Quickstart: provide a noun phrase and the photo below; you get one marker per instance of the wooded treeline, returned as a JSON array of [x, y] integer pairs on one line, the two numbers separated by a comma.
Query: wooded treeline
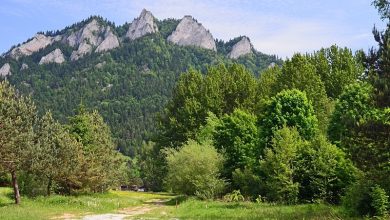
[[43, 156]]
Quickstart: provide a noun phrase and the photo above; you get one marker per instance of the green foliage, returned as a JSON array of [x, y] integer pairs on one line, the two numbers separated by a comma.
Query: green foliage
[[194, 170], [236, 136], [234, 196], [17, 116], [361, 129], [380, 200], [57, 156], [299, 73], [323, 171], [220, 91], [128, 85], [278, 166], [152, 165], [206, 132], [366, 198], [353, 108], [383, 7], [133, 171], [288, 108], [102, 164], [248, 183], [337, 68], [267, 84]]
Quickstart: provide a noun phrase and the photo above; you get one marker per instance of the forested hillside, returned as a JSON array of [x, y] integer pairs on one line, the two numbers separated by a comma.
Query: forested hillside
[[128, 84]]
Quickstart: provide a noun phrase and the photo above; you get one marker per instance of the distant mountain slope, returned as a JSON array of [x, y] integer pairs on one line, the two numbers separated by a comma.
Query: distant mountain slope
[[125, 72]]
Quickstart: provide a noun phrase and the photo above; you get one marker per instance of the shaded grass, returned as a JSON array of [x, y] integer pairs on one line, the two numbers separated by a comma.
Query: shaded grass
[[196, 209], [56, 205]]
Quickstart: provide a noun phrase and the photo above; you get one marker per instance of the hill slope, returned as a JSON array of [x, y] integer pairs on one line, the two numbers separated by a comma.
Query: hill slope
[[125, 72]]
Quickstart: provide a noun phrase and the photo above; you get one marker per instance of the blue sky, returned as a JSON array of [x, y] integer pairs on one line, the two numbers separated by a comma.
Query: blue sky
[[280, 27]]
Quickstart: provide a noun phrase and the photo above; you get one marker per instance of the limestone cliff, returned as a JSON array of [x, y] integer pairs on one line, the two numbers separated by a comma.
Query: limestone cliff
[[55, 56], [241, 48], [90, 36], [142, 26], [5, 70], [38, 42], [110, 41], [191, 33]]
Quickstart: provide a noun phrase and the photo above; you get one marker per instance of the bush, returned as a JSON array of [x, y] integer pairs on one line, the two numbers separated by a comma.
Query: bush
[[323, 171], [31, 185], [195, 170], [380, 200], [278, 166], [248, 183], [234, 196], [365, 198], [5, 179]]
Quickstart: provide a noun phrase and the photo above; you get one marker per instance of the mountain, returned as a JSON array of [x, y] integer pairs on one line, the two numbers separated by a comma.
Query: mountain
[[126, 72]]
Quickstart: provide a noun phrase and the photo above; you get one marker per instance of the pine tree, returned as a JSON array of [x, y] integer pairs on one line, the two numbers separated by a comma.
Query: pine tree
[[17, 116]]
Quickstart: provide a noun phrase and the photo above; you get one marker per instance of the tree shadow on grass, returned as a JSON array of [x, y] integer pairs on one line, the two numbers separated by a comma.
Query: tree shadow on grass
[[10, 196], [176, 201], [4, 204], [234, 205]]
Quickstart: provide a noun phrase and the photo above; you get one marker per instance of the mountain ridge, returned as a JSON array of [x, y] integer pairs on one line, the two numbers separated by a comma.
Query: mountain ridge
[[86, 36], [128, 84]]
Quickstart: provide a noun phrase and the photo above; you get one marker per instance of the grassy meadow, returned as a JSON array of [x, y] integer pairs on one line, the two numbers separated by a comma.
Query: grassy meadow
[[196, 209], [75, 207], [56, 206]]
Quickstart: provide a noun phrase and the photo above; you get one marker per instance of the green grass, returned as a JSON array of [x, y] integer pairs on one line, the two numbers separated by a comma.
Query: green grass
[[54, 206], [195, 209]]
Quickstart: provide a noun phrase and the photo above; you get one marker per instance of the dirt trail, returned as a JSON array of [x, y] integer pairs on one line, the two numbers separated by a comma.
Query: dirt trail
[[129, 212]]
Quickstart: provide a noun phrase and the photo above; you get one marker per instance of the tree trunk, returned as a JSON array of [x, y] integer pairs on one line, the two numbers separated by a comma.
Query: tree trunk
[[49, 187], [16, 187]]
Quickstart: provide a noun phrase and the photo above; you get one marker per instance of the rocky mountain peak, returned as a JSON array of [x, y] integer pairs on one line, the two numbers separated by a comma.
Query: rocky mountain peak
[[91, 35], [39, 41], [110, 41], [241, 48], [56, 56], [142, 25], [191, 33], [5, 70]]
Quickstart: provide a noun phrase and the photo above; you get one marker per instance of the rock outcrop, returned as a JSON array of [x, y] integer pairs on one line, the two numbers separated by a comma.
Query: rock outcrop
[[241, 48], [24, 66], [90, 36], [5, 70], [271, 65], [110, 41], [56, 56], [86, 38], [191, 33], [39, 41], [142, 26]]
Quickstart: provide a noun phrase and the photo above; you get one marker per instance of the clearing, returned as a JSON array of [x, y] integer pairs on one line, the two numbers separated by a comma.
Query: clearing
[[118, 205]]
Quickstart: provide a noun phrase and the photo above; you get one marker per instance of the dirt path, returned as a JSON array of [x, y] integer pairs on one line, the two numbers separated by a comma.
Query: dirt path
[[129, 212]]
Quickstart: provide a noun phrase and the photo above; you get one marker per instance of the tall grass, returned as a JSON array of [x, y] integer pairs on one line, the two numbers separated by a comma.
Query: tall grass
[[56, 205], [196, 209]]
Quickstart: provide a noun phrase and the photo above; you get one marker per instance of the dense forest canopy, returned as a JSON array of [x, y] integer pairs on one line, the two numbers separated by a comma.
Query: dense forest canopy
[[128, 85]]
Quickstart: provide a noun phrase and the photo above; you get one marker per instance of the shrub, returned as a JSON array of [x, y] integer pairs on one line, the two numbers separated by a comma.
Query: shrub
[[323, 171], [365, 198], [278, 166], [194, 170], [380, 200], [248, 183], [234, 196]]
